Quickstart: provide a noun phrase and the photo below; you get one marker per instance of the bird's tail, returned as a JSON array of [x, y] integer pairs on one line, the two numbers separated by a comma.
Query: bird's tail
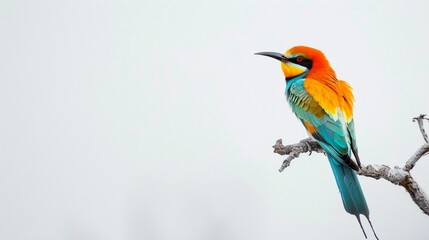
[[351, 193]]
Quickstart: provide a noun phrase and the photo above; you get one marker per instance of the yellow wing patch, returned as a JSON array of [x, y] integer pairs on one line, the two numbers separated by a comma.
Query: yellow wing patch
[[346, 100], [332, 96], [325, 93]]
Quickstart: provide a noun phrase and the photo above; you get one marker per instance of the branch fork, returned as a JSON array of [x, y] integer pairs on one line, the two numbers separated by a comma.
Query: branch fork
[[397, 175]]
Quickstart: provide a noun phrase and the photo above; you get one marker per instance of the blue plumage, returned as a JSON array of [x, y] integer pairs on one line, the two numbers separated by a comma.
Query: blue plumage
[[324, 105], [351, 193], [338, 141]]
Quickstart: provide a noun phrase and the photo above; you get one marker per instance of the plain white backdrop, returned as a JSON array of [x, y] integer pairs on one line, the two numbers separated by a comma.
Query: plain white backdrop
[[154, 120]]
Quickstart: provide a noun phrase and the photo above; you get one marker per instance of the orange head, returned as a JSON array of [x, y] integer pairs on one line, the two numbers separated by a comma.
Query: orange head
[[302, 61]]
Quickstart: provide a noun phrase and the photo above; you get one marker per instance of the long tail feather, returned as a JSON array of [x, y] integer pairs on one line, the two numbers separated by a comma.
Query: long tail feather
[[351, 192], [372, 229], [360, 223]]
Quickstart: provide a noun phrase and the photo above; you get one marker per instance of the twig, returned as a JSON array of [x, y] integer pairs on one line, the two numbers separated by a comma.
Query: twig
[[416, 156], [419, 120], [397, 175], [293, 150]]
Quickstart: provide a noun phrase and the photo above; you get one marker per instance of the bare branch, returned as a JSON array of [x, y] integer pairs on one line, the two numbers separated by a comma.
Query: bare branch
[[416, 156], [416, 193], [419, 120], [305, 145], [397, 175]]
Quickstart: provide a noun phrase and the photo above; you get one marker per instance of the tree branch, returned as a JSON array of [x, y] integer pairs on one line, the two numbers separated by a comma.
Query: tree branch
[[397, 175], [416, 156], [293, 150], [419, 120]]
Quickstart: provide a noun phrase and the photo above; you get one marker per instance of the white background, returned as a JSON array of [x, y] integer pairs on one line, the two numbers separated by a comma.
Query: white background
[[154, 120]]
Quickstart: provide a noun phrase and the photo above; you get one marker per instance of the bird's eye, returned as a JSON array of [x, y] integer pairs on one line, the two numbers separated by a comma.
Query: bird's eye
[[302, 61]]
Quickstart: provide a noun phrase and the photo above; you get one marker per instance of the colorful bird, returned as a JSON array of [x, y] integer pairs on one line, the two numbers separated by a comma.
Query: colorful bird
[[324, 104]]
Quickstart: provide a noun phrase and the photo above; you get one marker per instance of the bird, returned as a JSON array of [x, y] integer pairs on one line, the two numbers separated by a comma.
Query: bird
[[324, 105]]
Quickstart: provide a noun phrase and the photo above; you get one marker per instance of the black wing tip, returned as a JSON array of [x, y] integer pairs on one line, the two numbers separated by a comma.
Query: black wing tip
[[350, 163]]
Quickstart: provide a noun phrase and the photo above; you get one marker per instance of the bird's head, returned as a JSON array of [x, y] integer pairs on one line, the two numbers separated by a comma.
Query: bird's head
[[301, 61]]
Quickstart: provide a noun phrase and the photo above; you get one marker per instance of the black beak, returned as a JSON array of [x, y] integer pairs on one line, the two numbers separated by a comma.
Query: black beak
[[274, 55]]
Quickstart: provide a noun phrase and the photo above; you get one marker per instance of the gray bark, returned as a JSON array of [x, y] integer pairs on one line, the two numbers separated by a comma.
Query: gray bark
[[400, 176]]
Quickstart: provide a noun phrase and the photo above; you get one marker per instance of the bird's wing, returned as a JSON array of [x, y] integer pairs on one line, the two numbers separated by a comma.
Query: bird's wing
[[322, 120], [346, 105], [351, 131]]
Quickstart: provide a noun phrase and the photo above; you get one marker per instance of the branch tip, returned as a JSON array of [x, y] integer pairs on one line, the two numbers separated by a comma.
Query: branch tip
[[419, 120]]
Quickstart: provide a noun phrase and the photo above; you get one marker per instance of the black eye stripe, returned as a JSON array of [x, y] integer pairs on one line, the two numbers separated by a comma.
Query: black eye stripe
[[303, 61]]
